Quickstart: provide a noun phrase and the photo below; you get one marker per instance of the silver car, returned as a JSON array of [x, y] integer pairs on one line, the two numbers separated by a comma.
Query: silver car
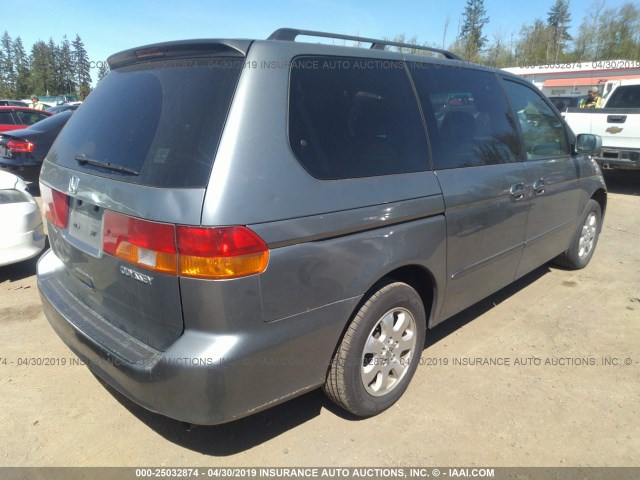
[[23, 234], [236, 222]]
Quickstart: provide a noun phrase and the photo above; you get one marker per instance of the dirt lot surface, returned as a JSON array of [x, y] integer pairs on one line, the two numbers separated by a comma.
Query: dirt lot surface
[[567, 391]]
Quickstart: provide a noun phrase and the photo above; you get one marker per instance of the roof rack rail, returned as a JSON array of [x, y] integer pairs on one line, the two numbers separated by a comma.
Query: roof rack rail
[[290, 34]]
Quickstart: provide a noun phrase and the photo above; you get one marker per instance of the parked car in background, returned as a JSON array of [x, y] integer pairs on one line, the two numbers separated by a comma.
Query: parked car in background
[[22, 228], [22, 151], [63, 108], [46, 101], [562, 102], [13, 118], [56, 100], [67, 98], [617, 123], [13, 103], [225, 238]]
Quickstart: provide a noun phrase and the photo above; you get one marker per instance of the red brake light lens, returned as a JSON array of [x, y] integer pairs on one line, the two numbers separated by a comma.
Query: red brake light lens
[[149, 53], [200, 252], [151, 235], [55, 205], [150, 245], [219, 242], [18, 146], [222, 252]]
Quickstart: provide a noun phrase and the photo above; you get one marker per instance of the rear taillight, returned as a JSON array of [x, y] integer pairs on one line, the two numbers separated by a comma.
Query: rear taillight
[[19, 146], [148, 244], [200, 252], [223, 252], [55, 205]]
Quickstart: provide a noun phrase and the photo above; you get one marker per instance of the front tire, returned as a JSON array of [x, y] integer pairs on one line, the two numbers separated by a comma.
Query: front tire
[[584, 240], [379, 352]]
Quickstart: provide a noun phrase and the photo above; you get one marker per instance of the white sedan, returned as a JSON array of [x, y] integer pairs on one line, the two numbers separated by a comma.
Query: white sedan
[[22, 229]]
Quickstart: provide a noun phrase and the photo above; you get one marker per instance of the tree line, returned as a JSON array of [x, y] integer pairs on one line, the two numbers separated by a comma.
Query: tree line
[[49, 69], [603, 34]]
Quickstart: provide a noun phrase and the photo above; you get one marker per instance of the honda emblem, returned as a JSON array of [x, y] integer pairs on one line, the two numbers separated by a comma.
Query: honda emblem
[[73, 184]]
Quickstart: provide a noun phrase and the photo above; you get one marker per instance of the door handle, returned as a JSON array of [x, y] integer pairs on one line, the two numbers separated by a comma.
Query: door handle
[[538, 186], [517, 192], [616, 118]]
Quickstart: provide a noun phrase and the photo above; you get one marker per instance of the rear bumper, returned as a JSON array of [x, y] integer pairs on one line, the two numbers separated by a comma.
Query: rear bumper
[[203, 377], [16, 163], [18, 246], [619, 158]]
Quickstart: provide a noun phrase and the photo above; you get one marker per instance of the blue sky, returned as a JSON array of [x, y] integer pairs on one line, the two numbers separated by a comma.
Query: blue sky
[[114, 25]]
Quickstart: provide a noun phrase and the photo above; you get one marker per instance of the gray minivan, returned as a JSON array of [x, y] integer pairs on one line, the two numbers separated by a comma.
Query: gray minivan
[[236, 222]]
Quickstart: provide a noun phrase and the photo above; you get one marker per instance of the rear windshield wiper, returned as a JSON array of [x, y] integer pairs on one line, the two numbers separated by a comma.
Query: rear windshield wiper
[[84, 160]]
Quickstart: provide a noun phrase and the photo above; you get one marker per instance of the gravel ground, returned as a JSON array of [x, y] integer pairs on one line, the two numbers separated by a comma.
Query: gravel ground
[[563, 390]]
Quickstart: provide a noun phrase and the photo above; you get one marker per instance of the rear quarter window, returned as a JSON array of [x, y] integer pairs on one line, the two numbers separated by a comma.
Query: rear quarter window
[[625, 97], [354, 117], [160, 119]]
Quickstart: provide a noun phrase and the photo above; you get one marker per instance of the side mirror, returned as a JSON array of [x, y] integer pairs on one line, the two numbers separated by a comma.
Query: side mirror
[[588, 144]]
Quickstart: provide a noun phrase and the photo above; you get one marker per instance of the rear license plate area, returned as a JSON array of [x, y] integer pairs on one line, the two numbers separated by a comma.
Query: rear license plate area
[[85, 225]]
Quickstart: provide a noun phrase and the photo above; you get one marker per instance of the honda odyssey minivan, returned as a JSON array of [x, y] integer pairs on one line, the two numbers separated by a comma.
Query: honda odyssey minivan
[[236, 222]]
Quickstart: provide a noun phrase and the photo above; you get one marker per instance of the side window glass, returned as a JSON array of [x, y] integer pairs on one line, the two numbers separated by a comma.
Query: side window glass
[[468, 118], [625, 97], [6, 119], [352, 117], [29, 118], [41, 116], [543, 132]]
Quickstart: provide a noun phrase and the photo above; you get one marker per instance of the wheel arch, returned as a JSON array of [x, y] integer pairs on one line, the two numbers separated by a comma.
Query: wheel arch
[[416, 276], [422, 281], [340, 377], [600, 196]]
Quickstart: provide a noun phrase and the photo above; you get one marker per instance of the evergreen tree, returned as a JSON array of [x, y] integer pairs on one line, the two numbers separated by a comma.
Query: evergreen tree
[[66, 80], [471, 34], [53, 66], [80, 60], [103, 69], [558, 22], [7, 66], [40, 80], [3, 87], [22, 69]]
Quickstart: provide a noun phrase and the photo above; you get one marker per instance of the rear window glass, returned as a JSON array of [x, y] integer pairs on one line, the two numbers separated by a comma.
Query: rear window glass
[[159, 122], [352, 117], [625, 97]]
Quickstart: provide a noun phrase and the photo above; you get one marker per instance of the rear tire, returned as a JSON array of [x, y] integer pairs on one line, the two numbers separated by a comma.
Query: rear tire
[[584, 240], [380, 351]]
